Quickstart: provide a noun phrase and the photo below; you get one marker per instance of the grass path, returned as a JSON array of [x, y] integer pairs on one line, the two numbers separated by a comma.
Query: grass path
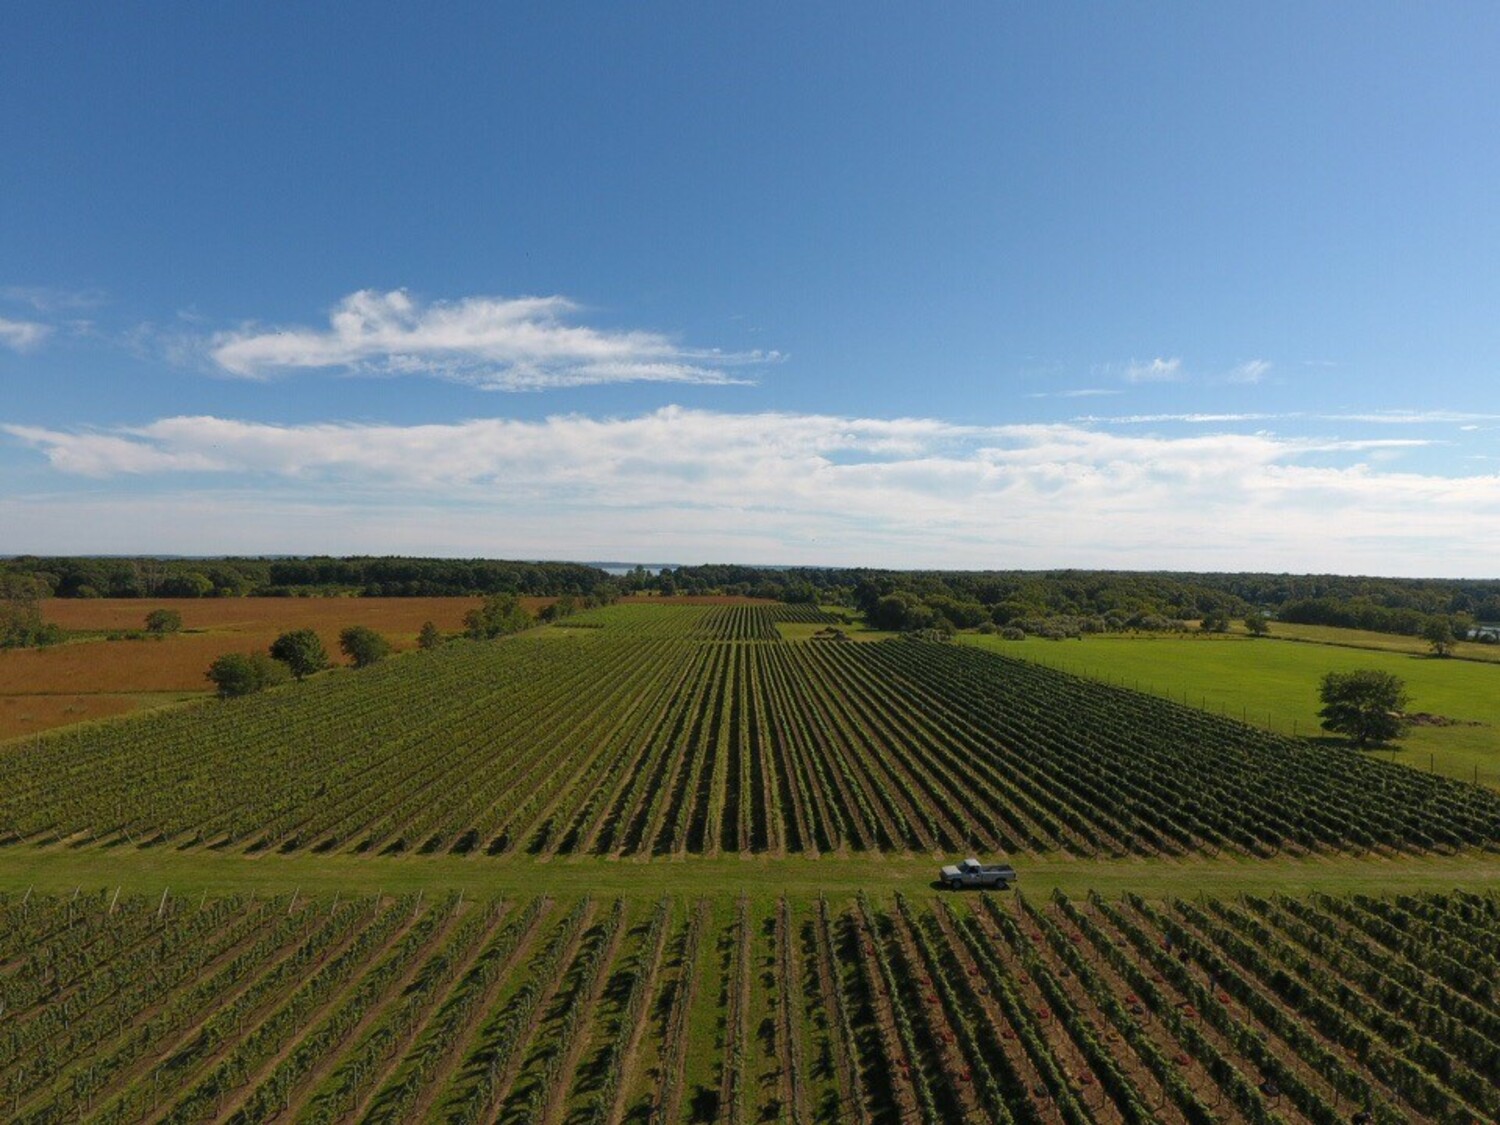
[[151, 871]]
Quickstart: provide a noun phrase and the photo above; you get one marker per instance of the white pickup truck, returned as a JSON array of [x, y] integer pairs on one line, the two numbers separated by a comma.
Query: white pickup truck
[[972, 873]]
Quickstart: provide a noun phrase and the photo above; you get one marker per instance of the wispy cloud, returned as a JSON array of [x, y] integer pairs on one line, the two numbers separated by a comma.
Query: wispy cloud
[[22, 335], [1204, 418], [1081, 392], [495, 343], [49, 299], [1414, 417], [1251, 371], [1157, 370], [1379, 417], [763, 487]]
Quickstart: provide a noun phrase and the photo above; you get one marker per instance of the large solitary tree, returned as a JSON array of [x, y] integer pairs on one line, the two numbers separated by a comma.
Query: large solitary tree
[[1367, 705], [1439, 635], [301, 651]]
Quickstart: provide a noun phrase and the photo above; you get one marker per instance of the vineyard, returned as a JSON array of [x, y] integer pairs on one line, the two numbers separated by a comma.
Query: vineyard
[[663, 731], [916, 1008]]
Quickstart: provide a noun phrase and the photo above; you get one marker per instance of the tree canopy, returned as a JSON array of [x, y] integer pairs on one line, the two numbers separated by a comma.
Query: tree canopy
[[363, 645], [1367, 705], [238, 673], [1439, 635], [500, 614], [163, 621], [301, 651], [21, 624]]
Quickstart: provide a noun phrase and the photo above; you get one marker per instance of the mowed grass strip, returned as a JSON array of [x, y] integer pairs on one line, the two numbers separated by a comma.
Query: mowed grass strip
[[1274, 684], [194, 872]]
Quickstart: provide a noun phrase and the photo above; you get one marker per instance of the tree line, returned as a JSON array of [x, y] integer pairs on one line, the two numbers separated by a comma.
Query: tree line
[[145, 577], [1065, 602], [1071, 602]]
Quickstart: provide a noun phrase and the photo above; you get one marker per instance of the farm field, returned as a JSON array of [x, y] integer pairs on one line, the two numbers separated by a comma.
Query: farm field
[[1274, 684], [736, 1008], [636, 731], [675, 863], [94, 678]]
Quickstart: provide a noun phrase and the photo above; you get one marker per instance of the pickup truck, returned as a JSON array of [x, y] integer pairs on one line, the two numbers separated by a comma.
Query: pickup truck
[[972, 873]]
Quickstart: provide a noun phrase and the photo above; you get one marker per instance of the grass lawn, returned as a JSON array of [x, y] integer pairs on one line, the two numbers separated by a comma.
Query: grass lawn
[[1274, 683], [150, 871]]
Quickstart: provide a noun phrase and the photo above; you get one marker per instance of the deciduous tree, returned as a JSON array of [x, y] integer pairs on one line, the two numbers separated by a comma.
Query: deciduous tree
[[21, 623], [301, 651], [1367, 705], [363, 645], [500, 614], [1438, 633], [163, 621], [238, 673]]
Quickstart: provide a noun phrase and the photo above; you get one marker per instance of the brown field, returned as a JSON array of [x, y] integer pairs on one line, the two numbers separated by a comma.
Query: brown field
[[393, 616], [26, 714], [91, 679]]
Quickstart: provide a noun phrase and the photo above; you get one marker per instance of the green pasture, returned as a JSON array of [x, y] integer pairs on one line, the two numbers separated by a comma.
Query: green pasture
[[154, 870], [1385, 642], [1274, 684]]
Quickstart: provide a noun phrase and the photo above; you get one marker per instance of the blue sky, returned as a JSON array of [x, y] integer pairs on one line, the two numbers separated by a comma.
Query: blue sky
[[1179, 286]]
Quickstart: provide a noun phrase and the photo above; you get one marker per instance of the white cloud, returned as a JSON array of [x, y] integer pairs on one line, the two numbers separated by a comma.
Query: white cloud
[[1081, 392], [1157, 370], [1382, 417], [701, 485], [495, 343], [1251, 371], [22, 335], [1207, 418], [1415, 417]]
